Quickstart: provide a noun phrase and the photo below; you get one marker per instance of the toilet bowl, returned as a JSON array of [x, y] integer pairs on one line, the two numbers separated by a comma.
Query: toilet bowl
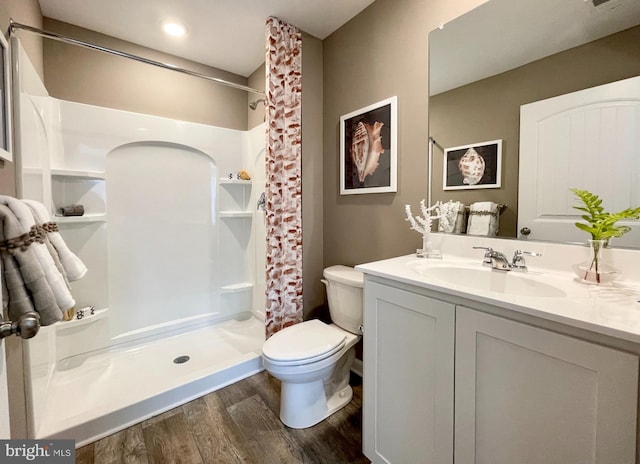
[[313, 359]]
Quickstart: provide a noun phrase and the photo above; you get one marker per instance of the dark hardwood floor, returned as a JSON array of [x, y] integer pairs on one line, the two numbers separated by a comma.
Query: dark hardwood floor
[[237, 424]]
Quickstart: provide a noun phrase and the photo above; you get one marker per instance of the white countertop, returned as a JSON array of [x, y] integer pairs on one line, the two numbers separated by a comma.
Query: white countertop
[[612, 309]]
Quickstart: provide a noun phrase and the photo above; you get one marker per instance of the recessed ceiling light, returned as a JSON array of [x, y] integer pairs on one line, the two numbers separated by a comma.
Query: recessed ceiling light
[[174, 29]]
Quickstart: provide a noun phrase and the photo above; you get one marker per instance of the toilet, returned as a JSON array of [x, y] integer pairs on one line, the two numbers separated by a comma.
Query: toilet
[[313, 359]]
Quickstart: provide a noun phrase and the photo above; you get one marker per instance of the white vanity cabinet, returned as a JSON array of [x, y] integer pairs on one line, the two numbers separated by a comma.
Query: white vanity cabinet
[[408, 377], [522, 394], [529, 395]]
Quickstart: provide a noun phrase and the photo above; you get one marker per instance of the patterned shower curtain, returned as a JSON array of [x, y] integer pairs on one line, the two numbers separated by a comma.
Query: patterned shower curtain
[[283, 189]]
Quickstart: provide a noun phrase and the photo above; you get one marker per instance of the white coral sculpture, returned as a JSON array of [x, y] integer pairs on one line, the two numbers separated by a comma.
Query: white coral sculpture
[[423, 223]]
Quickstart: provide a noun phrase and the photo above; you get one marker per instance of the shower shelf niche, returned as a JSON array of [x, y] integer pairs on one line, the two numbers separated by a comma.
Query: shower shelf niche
[[80, 219], [226, 180], [236, 214], [234, 198], [78, 186], [241, 287], [76, 173], [99, 314]]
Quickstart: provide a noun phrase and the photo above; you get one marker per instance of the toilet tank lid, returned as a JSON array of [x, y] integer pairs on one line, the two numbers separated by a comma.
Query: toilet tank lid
[[345, 275]]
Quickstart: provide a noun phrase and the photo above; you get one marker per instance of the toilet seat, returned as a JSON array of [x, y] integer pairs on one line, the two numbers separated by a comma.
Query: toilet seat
[[304, 343]]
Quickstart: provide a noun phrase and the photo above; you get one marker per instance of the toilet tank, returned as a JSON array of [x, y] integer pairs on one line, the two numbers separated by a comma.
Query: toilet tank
[[344, 292]]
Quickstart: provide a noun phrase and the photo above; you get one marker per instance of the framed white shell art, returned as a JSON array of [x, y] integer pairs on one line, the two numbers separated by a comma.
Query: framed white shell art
[[475, 166], [368, 149]]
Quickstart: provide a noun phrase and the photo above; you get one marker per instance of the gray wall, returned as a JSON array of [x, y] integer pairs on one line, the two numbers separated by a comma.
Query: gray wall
[[312, 174], [256, 81], [26, 12], [490, 109], [86, 76], [380, 53]]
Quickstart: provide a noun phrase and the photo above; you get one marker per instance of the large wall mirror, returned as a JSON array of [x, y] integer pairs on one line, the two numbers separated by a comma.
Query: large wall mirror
[[485, 65]]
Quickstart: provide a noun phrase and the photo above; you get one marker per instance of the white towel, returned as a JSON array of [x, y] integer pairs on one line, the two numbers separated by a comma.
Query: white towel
[[53, 276], [483, 218], [72, 265], [25, 287]]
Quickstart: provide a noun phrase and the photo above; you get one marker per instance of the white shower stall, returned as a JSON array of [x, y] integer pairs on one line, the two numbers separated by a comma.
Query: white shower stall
[[173, 301]]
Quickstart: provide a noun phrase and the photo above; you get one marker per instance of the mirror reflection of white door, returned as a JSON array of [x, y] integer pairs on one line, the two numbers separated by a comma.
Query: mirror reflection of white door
[[588, 139]]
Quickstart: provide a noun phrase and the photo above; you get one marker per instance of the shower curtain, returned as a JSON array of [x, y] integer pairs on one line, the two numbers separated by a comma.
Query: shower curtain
[[283, 164]]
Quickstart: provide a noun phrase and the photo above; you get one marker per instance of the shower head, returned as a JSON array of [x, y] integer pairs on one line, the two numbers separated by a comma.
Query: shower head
[[254, 104]]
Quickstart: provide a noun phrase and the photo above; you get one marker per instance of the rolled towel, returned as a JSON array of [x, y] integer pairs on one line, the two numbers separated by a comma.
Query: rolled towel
[[460, 226], [71, 210], [26, 287], [54, 278], [73, 266], [483, 218]]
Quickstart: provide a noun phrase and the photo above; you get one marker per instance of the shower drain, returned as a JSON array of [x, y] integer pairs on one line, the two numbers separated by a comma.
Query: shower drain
[[181, 359]]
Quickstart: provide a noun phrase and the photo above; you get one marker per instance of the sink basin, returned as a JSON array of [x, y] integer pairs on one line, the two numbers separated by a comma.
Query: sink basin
[[486, 279]]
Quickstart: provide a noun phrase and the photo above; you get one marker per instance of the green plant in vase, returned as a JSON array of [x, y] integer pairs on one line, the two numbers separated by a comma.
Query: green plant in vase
[[602, 227]]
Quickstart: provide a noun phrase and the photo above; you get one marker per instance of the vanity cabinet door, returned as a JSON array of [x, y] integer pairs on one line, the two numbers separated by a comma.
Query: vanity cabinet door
[[528, 395], [408, 377]]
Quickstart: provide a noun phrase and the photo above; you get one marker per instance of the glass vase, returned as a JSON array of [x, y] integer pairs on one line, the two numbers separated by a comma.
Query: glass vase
[[427, 250], [596, 270]]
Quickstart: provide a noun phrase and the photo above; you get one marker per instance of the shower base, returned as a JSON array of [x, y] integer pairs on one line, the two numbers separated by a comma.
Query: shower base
[[112, 390]]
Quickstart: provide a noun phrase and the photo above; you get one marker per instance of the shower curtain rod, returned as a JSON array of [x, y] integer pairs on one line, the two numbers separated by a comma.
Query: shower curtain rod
[[61, 38]]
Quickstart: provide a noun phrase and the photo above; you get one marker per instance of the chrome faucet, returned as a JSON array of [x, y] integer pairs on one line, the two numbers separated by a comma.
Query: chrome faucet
[[499, 261], [494, 259], [518, 263]]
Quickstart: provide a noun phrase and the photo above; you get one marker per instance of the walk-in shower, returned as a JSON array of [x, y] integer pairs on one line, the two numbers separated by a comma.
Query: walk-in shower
[[173, 300]]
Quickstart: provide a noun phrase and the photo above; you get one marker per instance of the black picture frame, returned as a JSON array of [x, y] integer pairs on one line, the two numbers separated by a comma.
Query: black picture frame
[[368, 149], [474, 166]]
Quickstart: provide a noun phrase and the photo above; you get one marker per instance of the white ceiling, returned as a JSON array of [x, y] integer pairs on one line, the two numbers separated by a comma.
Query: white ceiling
[[226, 34]]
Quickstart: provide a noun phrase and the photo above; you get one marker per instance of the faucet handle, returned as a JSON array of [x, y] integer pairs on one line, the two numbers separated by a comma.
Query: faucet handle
[[487, 254], [518, 262]]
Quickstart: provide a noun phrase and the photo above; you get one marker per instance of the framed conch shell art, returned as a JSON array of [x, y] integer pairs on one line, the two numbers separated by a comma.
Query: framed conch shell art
[[474, 166], [368, 156]]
